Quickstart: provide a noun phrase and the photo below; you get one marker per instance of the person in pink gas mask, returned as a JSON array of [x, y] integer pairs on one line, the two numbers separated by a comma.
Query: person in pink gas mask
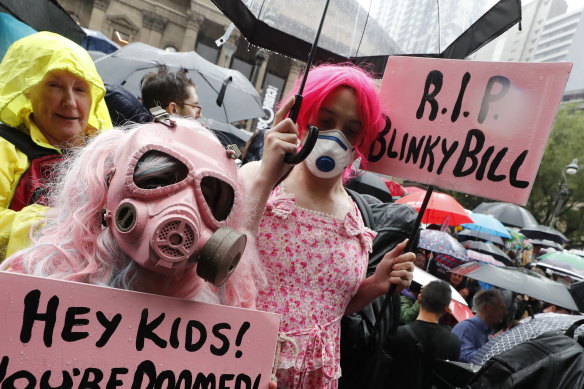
[[157, 208]]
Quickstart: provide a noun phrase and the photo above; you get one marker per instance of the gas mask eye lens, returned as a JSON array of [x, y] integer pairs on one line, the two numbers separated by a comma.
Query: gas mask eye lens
[[125, 217], [219, 196], [156, 169]]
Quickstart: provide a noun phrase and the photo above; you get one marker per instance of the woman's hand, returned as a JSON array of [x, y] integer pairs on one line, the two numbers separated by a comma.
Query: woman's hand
[[396, 268], [260, 177], [279, 140]]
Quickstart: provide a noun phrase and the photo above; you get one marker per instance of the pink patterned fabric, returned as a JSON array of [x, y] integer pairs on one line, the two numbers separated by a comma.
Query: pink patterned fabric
[[314, 264]]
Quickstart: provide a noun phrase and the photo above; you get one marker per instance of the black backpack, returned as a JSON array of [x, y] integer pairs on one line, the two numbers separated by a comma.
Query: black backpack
[[363, 363], [551, 361], [33, 185]]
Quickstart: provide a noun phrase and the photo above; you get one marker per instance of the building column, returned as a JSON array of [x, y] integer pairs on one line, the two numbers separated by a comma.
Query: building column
[[295, 68], [155, 24], [261, 72], [228, 49], [97, 18], [194, 23]]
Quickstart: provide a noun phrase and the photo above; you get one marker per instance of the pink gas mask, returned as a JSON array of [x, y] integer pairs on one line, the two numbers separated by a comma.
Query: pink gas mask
[[170, 199]]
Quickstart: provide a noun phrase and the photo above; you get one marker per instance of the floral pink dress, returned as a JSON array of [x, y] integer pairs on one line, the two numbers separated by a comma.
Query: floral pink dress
[[314, 264]]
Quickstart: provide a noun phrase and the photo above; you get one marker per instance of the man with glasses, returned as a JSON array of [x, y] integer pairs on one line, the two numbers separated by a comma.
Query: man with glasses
[[173, 91]]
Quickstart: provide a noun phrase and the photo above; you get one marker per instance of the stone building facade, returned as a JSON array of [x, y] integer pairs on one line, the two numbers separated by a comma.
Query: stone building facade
[[186, 25]]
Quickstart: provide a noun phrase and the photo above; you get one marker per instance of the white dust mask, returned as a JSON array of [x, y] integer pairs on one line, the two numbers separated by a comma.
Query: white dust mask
[[332, 153]]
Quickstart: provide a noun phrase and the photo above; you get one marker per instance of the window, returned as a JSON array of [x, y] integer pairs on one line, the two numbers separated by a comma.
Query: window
[[244, 67], [207, 52]]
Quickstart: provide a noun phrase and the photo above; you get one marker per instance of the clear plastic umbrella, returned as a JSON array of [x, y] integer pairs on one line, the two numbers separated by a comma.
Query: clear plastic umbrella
[[370, 30]]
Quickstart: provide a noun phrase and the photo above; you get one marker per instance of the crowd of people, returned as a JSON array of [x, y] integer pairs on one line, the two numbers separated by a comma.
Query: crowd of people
[[81, 200]]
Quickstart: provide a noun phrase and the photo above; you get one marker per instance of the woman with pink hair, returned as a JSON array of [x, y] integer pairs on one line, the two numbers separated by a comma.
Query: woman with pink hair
[[311, 238], [138, 208]]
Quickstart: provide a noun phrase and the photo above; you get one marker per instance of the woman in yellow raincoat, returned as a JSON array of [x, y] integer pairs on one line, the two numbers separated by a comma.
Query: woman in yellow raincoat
[[51, 99]]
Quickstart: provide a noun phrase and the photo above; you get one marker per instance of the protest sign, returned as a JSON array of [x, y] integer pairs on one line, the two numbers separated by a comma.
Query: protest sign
[[71, 335], [474, 127]]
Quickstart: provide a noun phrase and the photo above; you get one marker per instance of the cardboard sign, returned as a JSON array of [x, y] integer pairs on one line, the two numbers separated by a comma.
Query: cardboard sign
[[474, 127], [73, 335]]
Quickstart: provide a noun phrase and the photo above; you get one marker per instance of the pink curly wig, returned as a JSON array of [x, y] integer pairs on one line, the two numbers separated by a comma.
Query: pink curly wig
[[327, 78], [72, 244]]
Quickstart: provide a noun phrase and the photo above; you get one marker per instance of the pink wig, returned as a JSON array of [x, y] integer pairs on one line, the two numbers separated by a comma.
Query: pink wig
[[73, 245], [327, 78]]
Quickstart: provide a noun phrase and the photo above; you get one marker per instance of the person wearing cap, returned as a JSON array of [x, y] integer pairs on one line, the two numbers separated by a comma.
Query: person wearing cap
[[51, 100]]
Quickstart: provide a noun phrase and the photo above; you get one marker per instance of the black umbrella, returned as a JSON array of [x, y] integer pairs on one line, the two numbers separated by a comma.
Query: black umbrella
[[520, 280], [544, 232], [371, 30], [44, 15], [97, 41], [225, 94], [227, 133], [477, 235], [546, 243], [509, 214], [490, 249], [369, 183]]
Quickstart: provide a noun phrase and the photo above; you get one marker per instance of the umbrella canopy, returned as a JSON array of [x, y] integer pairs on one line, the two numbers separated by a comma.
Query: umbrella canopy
[[422, 277], [561, 269], [442, 243], [44, 15], [441, 207], [565, 257], [96, 41], [489, 249], [562, 260], [412, 189], [395, 189], [518, 241], [476, 235], [371, 184], [546, 243], [487, 224], [371, 30], [527, 330], [520, 280], [509, 214], [11, 30], [227, 133], [544, 233], [458, 305], [485, 258], [129, 64]]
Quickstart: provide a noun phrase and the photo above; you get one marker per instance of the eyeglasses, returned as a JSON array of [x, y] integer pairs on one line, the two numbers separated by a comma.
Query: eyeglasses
[[193, 106]]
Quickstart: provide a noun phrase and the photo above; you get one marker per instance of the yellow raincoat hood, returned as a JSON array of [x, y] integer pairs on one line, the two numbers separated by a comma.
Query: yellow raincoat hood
[[28, 61]]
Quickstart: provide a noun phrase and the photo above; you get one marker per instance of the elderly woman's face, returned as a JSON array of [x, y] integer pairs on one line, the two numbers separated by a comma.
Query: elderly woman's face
[[60, 107]]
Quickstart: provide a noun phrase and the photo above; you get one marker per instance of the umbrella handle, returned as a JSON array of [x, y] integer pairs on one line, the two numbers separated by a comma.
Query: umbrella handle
[[311, 138], [221, 95], [309, 143]]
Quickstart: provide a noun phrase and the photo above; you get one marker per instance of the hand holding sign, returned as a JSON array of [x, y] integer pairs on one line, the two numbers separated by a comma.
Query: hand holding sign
[[475, 127]]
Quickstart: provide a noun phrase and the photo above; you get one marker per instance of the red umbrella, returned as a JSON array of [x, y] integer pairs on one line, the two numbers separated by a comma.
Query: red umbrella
[[412, 189], [395, 189], [460, 311], [441, 207]]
